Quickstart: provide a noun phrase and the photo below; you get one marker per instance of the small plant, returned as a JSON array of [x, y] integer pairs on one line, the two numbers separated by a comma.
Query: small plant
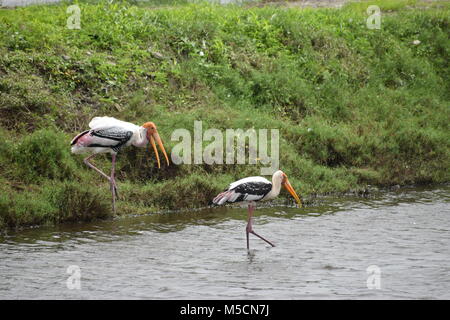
[[25, 102], [75, 202], [44, 154]]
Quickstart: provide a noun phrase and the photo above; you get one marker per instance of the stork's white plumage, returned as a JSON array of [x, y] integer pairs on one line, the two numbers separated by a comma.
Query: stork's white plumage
[[247, 189], [110, 135], [106, 122], [252, 189]]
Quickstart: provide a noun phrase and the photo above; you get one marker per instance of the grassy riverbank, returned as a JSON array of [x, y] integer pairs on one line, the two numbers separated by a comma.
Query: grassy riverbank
[[354, 106]]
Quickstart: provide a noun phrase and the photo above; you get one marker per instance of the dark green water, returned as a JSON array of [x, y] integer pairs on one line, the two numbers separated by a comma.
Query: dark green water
[[322, 252]]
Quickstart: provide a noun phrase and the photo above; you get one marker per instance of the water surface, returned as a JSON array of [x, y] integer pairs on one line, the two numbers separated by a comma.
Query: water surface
[[322, 252]]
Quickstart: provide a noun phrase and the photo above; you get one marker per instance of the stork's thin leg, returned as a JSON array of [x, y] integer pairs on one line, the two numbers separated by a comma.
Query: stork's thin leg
[[111, 178], [90, 165], [246, 233], [262, 238], [249, 228], [113, 182]]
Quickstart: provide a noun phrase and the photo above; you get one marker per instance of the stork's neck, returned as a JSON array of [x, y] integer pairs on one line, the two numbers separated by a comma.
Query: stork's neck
[[141, 138], [276, 187]]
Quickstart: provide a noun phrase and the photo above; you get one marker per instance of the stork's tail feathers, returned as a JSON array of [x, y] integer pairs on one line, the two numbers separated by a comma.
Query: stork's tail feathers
[[75, 140], [78, 143], [222, 197]]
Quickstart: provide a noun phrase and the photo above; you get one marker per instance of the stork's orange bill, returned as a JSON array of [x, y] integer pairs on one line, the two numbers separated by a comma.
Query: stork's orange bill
[[161, 146], [155, 136], [291, 190], [152, 141]]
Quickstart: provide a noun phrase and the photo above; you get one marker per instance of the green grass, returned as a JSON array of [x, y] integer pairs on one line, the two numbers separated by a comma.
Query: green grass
[[354, 106]]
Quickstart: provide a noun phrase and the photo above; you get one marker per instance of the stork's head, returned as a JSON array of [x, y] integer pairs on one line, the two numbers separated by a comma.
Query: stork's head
[[283, 179], [152, 136]]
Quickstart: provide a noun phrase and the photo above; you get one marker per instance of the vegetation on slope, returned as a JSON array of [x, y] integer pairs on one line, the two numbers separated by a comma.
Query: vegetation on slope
[[354, 106]]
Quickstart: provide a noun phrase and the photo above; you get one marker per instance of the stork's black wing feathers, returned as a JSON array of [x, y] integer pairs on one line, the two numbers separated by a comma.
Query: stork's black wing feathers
[[118, 134], [113, 133], [252, 188]]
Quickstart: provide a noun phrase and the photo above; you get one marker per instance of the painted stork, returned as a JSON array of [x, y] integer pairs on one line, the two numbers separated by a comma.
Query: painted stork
[[252, 189], [110, 135]]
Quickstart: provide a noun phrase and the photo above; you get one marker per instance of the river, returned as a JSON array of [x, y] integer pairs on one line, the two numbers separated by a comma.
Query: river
[[391, 245]]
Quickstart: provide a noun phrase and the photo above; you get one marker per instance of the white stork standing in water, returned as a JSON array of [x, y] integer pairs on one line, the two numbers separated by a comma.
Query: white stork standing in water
[[109, 135], [252, 189]]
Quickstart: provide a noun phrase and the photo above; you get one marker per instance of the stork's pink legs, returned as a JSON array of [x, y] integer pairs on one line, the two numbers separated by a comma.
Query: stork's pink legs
[[90, 165], [111, 178], [249, 228], [113, 182]]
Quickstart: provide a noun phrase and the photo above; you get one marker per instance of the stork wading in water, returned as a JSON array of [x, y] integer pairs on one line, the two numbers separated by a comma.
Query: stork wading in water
[[252, 189], [110, 135]]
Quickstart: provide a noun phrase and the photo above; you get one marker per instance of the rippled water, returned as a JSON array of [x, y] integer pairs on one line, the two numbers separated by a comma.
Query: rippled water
[[322, 251]]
